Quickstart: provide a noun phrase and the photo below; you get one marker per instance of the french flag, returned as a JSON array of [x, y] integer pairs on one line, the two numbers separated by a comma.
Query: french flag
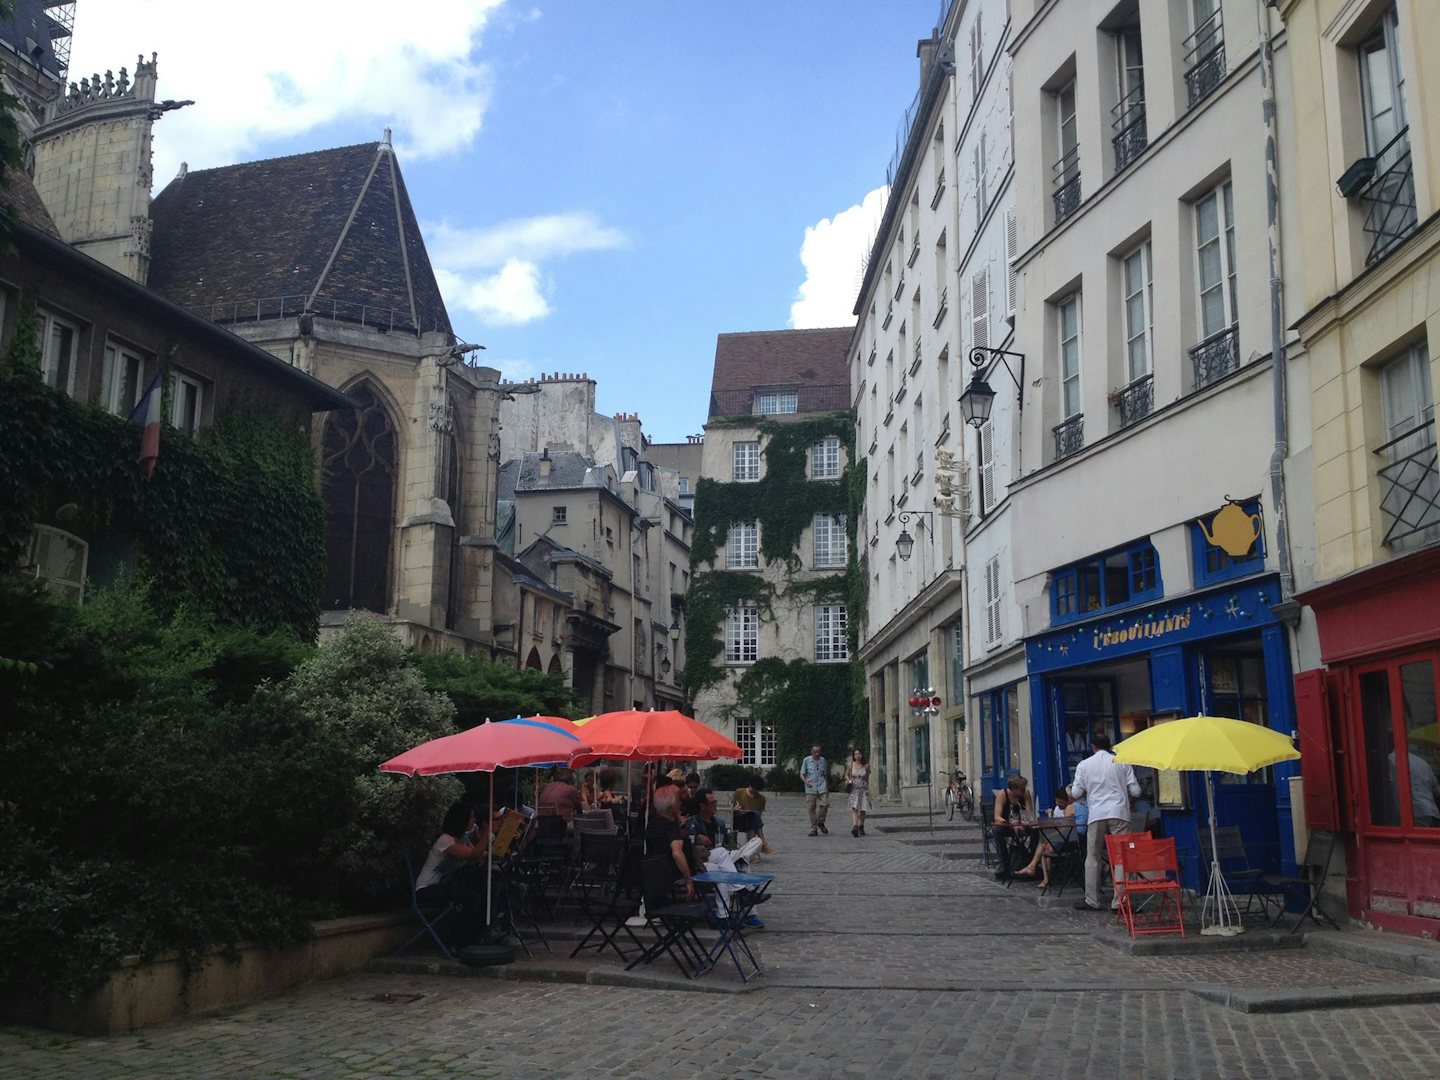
[[147, 415]]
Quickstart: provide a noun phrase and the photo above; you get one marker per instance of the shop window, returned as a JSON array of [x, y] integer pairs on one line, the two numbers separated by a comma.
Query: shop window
[[1237, 688], [1112, 580], [1212, 564], [920, 743], [1398, 710]]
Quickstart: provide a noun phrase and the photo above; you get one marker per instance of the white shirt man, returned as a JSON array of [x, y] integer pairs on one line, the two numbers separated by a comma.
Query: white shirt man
[[1107, 787]]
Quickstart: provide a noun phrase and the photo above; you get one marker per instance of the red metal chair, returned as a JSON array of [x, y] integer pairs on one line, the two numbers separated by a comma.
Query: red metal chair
[[1146, 875]]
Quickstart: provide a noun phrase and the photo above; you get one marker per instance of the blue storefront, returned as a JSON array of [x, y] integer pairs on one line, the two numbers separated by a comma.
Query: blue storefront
[[1221, 652]]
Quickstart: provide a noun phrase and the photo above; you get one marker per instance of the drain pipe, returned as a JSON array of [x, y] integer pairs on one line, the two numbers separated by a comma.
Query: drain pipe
[[1277, 309]]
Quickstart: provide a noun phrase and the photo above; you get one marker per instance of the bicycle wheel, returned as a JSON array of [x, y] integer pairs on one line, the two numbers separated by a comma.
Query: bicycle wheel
[[967, 802], [949, 804]]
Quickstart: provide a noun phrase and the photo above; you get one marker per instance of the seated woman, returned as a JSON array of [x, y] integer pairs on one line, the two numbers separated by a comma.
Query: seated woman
[[1046, 852], [1014, 810], [589, 798], [441, 878]]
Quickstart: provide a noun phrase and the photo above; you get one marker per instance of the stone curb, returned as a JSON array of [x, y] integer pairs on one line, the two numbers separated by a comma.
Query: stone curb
[[531, 971], [1314, 999], [1411, 957]]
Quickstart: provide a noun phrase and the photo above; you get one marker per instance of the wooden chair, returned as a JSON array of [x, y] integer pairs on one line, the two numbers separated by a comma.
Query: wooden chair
[[1146, 875]]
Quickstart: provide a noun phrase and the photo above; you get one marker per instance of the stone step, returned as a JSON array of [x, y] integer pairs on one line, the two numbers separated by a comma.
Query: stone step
[[939, 841], [919, 827]]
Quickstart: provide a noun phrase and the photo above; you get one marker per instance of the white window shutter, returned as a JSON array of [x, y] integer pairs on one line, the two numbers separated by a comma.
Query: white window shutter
[[1011, 243], [980, 308], [987, 466]]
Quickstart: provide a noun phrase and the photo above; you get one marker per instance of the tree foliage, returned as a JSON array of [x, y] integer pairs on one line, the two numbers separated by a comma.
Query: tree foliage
[[482, 689]]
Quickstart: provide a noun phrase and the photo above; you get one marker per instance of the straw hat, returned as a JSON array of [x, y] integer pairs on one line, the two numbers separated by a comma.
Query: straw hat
[[678, 775]]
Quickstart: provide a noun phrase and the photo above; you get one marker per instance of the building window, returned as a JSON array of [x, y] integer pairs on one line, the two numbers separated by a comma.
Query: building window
[[1409, 479], [58, 559], [1069, 312], [831, 644], [1389, 195], [684, 485], [124, 380], [1218, 352], [825, 459], [1213, 564], [956, 647], [745, 461], [831, 547], [742, 546], [1204, 50], [558, 515], [772, 402], [1128, 121], [1112, 580], [994, 597], [920, 742], [1137, 397], [359, 463], [1065, 173], [57, 352], [185, 410], [742, 634], [745, 739]]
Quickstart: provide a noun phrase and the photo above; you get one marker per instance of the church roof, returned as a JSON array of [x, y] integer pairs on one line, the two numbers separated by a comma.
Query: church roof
[[331, 231]]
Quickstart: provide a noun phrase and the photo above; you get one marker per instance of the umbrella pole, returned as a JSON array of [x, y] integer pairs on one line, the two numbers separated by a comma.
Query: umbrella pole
[[489, 854], [1219, 904]]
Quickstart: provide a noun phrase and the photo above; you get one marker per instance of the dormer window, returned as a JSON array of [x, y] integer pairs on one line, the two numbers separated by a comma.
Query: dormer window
[[773, 402]]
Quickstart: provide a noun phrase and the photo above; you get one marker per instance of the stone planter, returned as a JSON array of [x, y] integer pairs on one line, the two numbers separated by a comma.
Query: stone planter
[[141, 994]]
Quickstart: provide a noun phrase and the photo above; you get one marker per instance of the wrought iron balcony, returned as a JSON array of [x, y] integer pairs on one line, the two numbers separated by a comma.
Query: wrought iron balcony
[[1385, 186], [1135, 401], [1205, 57], [1216, 356], [1410, 485], [1069, 437], [1066, 179], [1130, 136]]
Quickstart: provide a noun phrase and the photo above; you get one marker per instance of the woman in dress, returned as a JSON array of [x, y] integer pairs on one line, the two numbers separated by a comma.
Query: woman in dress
[[857, 782]]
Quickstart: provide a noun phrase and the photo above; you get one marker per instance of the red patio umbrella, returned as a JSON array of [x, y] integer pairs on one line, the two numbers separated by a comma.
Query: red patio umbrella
[[636, 735], [485, 748]]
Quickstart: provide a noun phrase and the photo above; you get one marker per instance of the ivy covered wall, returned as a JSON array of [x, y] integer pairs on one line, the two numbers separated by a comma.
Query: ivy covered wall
[[804, 701], [230, 524]]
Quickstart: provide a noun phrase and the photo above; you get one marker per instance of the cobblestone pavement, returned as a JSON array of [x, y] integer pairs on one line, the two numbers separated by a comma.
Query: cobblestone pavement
[[880, 964]]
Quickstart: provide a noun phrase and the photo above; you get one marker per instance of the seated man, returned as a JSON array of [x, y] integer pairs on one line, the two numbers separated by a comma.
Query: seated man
[[663, 833], [562, 794], [749, 806], [707, 836]]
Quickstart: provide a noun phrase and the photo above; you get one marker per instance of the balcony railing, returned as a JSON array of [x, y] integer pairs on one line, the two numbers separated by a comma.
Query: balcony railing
[[1069, 437], [1066, 179], [1410, 494], [1136, 401], [939, 190], [1205, 57], [1130, 136], [915, 363], [1216, 356], [1388, 195], [941, 307]]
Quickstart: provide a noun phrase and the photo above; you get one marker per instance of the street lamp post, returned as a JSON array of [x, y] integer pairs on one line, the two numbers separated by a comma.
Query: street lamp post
[[905, 543], [976, 401]]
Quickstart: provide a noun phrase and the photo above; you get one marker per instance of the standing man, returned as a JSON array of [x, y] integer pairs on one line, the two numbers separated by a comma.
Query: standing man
[[815, 771], [1107, 787]]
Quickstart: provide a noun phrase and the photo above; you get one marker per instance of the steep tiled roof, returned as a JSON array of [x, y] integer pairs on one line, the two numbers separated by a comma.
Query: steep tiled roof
[[19, 197], [811, 362], [331, 230], [569, 469]]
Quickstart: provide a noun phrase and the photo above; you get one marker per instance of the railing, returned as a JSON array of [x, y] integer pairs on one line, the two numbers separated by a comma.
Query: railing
[[1130, 136], [289, 307], [809, 398], [914, 252], [899, 287], [942, 308], [1389, 197], [1136, 401], [939, 190], [915, 364], [1069, 437], [1205, 57], [889, 314], [1066, 179], [1216, 356], [1410, 501]]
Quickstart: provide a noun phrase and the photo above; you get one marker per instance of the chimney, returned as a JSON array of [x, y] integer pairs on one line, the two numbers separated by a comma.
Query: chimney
[[545, 462], [926, 50]]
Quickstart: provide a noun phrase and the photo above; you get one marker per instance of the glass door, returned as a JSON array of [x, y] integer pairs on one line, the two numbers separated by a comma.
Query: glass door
[[1082, 708]]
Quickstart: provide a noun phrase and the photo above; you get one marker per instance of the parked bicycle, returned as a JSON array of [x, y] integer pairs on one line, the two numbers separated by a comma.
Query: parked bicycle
[[959, 795]]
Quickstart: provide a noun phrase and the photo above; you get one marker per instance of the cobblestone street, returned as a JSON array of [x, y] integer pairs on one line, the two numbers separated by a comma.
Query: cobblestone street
[[881, 961]]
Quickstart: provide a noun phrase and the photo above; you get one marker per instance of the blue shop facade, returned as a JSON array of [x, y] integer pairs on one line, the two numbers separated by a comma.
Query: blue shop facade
[[1219, 651]]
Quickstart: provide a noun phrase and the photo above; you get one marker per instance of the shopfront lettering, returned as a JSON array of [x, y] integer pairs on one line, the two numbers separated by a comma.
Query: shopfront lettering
[[1142, 629]]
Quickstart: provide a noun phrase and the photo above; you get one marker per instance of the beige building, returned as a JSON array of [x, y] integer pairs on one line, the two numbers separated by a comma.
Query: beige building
[[1364, 263], [763, 382]]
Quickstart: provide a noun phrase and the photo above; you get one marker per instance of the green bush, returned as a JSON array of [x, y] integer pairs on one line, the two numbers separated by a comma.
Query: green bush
[[482, 689], [784, 778], [728, 777]]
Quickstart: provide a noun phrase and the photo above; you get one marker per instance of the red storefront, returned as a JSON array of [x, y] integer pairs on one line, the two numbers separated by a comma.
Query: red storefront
[[1370, 736]]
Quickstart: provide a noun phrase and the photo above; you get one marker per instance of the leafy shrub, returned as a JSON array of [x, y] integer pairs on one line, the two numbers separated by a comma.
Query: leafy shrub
[[784, 778], [482, 689], [728, 777]]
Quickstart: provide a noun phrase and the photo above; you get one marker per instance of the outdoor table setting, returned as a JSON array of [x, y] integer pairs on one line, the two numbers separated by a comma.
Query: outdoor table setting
[[746, 892]]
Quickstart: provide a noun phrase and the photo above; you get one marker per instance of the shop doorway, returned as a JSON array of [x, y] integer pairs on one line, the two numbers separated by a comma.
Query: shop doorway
[[1233, 684], [998, 729], [1082, 707]]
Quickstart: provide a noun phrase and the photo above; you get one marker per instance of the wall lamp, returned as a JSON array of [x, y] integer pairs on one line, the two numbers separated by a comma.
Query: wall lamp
[[905, 543], [978, 397]]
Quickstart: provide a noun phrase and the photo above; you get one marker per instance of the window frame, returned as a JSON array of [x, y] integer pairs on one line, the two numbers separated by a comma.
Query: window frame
[[832, 644], [742, 635], [49, 322], [825, 453], [742, 546], [118, 357], [745, 461], [1387, 34], [1145, 295], [1223, 195], [1069, 378], [776, 402], [1071, 585], [835, 535], [71, 588], [559, 515], [185, 380]]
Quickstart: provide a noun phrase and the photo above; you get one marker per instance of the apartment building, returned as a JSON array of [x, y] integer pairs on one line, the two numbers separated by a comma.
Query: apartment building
[[1152, 568], [1363, 266]]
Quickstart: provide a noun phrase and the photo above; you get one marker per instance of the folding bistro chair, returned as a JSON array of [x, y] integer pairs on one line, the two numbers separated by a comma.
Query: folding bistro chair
[[1146, 875], [606, 893], [1314, 869], [672, 921], [520, 900], [988, 850], [1241, 878], [430, 914]]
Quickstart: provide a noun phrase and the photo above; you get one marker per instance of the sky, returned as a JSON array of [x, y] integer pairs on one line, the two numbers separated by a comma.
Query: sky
[[603, 185]]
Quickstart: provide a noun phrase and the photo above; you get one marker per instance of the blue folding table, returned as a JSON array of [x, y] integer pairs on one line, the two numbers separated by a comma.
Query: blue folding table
[[729, 918]]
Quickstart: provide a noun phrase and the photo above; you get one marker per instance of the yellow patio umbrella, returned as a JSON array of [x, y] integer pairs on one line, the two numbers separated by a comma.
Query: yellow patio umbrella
[[1209, 744]]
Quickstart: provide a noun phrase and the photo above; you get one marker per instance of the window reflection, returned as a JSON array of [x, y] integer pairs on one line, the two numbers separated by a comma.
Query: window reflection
[[1417, 688], [1379, 748]]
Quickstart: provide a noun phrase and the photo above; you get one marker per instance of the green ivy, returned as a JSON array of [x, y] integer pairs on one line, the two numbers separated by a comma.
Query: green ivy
[[230, 524], [711, 594], [804, 701]]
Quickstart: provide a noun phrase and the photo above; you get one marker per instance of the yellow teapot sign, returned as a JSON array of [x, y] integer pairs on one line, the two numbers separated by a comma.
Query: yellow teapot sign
[[1232, 530]]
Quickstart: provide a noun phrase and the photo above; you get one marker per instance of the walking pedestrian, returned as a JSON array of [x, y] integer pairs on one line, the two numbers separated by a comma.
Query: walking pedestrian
[[857, 783], [1107, 786], [815, 771]]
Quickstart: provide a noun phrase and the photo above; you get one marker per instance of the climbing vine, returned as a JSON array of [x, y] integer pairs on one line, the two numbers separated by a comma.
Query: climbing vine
[[803, 700], [230, 524]]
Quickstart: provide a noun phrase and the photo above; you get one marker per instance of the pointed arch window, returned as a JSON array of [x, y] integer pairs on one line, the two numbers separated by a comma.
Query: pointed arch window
[[359, 460]]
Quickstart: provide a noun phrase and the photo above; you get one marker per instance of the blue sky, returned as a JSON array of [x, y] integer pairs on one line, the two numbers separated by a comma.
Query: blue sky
[[604, 186]]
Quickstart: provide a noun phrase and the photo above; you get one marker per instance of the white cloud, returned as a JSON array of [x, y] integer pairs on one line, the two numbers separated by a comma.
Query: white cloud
[[278, 68], [514, 290], [833, 254]]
